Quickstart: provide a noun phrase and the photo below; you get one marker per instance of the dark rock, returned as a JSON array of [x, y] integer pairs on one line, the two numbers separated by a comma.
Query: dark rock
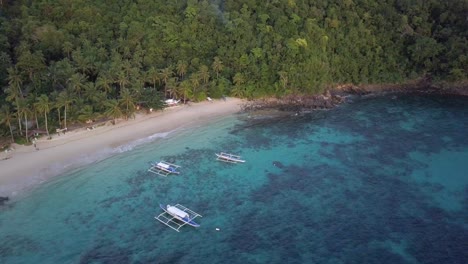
[[295, 103], [278, 164], [3, 200]]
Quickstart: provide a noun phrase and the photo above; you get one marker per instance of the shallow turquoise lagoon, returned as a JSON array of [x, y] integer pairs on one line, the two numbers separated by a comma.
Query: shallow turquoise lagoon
[[376, 180]]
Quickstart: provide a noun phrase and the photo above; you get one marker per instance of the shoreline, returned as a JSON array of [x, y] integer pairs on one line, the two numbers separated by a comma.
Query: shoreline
[[28, 167], [335, 96], [423, 85]]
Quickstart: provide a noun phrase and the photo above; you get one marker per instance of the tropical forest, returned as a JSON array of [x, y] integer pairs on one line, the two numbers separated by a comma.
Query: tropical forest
[[65, 62]]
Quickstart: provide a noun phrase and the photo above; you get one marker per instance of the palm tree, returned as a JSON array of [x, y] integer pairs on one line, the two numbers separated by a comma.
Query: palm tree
[[43, 105], [14, 92], [58, 73], [172, 87], [238, 91], [6, 117], [90, 92], [86, 113], [122, 79], [165, 75], [104, 81], [13, 96], [217, 66], [137, 90], [14, 80], [195, 82], [177, 91], [83, 64], [153, 76], [113, 109], [77, 82], [64, 100], [67, 48], [31, 98], [53, 74], [238, 79], [283, 78], [31, 63], [127, 100], [204, 73], [127, 67], [93, 95], [54, 97], [184, 89], [182, 68], [23, 110]]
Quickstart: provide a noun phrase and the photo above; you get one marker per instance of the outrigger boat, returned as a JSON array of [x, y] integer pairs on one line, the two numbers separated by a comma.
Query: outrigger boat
[[164, 168], [182, 214], [227, 157], [171, 102]]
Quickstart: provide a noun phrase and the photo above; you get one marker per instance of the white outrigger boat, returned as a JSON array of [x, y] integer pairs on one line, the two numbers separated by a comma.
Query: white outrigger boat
[[171, 102], [227, 157], [182, 214], [164, 168]]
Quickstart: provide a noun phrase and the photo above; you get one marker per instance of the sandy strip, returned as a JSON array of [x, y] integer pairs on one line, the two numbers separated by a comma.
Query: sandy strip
[[28, 167]]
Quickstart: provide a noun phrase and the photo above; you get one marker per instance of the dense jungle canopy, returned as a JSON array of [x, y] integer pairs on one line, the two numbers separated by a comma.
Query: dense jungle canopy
[[85, 59]]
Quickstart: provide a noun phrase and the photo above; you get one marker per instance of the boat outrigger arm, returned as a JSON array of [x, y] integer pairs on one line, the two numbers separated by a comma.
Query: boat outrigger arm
[[176, 216], [164, 168], [228, 157]]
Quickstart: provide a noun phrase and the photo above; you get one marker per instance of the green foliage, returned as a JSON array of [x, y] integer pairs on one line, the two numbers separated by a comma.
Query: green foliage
[[217, 89], [199, 96], [95, 53], [151, 98]]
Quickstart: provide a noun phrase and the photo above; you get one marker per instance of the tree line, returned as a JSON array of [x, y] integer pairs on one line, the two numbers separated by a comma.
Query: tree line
[[68, 61]]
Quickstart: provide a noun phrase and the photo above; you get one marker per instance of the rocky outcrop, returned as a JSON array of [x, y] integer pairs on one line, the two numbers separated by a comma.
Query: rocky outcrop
[[338, 94], [423, 85], [296, 103]]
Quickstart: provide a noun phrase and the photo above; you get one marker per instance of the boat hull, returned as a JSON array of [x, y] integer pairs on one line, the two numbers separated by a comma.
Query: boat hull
[[186, 220], [170, 170], [229, 158]]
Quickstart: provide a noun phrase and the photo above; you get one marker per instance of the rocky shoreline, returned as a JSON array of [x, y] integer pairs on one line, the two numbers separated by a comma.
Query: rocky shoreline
[[421, 86], [338, 95], [295, 103]]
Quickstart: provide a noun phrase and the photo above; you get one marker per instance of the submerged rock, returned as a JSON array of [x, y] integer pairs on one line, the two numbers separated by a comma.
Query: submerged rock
[[3, 200], [278, 164]]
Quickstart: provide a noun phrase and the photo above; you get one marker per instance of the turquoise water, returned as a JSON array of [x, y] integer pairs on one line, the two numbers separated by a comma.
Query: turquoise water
[[373, 181]]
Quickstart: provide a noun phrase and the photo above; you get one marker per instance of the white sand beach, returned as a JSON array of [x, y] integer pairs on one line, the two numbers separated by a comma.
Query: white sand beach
[[27, 166]]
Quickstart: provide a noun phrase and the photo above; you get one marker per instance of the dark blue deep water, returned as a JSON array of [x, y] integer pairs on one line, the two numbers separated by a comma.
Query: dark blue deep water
[[376, 180]]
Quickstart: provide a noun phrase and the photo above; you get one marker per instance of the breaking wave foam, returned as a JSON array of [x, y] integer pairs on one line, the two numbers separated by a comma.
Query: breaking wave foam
[[55, 169], [141, 141]]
